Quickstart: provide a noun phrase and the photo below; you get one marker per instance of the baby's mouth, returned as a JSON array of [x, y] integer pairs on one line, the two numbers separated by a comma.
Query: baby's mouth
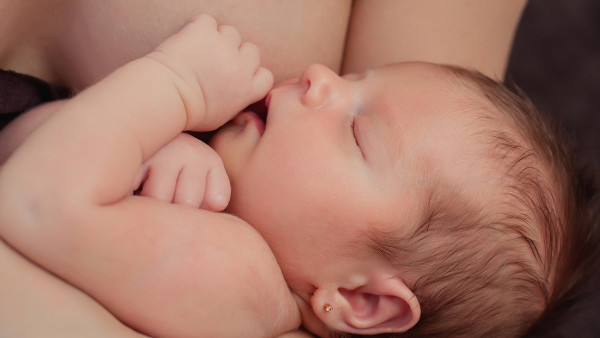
[[255, 114], [246, 118], [260, 108]]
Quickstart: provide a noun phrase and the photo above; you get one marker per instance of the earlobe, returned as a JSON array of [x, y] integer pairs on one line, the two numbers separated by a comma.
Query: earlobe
[[380, 306]]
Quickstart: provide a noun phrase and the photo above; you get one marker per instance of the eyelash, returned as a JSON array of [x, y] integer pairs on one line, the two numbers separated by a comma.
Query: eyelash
[[352, 127], [354, 132]]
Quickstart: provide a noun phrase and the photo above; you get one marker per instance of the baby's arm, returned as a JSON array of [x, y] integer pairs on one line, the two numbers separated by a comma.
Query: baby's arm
[[184, 171], [17, 131], [165, 269]]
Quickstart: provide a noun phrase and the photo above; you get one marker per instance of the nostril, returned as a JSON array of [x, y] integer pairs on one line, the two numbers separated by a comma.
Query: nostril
[[307, 84]]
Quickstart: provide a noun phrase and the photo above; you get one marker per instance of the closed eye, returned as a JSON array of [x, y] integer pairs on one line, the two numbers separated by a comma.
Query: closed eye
[[353, 128]]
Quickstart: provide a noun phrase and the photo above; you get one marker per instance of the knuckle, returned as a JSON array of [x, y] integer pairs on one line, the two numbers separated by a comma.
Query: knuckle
[[250, 48], [189, 199], [157, 195], [228, 28], [204, 18]]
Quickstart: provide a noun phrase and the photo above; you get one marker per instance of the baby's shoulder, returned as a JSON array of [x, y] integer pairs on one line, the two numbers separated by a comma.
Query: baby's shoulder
[[245, 276]]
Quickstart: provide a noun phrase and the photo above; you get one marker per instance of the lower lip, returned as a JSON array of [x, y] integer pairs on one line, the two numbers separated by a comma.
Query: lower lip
[[249, 117]]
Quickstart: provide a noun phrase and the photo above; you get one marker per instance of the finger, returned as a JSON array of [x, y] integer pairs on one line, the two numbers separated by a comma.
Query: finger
[[204, 20], [140, 177], [159, 185], [231, 34], [250, 53], [217, 191], [190, 187], [262, 83]]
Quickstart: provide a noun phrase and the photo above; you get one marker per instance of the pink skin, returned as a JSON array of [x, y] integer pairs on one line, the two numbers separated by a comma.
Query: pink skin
[[340, 156], [250, 117]]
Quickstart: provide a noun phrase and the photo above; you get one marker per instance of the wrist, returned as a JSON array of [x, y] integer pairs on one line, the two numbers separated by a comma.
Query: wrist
[[188, 88]]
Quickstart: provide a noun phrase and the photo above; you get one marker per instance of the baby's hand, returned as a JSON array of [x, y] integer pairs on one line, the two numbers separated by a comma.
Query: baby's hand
[[185, 171], [221, 74]]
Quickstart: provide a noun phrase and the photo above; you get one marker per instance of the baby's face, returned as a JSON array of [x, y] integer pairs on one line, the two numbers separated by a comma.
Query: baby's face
[[340, 156]]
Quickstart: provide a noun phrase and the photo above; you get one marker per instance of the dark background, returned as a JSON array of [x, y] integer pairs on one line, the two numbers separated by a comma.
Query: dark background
[[556, 61]]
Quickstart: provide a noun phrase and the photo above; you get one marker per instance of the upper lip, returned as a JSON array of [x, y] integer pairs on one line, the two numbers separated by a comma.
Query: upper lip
[[265, 113]]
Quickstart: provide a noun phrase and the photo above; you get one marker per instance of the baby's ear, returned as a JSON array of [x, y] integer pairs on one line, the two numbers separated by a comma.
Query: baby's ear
[[381, 305]]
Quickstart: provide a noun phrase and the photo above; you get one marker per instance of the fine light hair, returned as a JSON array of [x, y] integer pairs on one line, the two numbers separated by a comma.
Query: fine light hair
[[513, 267]]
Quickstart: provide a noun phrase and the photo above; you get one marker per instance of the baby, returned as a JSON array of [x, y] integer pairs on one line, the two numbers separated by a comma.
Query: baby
[[412, 198]]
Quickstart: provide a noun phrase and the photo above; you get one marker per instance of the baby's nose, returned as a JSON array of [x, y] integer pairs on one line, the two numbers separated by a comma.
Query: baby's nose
[[319, 84]]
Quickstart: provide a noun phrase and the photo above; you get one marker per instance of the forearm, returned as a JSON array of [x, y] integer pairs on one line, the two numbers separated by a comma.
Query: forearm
[[98, 139], [467, 33], [115, 125], [171, 270], [38, 304]]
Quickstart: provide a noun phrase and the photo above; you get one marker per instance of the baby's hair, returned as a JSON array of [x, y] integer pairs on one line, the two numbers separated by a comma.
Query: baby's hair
[[570, 232], [514, 266]]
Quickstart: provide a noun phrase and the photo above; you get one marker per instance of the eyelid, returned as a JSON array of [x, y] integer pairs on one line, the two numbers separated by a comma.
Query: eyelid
[[353, 127]]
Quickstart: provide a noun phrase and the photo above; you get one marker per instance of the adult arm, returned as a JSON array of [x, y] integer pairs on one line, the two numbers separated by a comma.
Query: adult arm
[[38, 304], [468, 33]]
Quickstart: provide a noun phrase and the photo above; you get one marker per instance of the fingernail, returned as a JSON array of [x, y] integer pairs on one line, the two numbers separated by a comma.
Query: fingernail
[[220, 200]]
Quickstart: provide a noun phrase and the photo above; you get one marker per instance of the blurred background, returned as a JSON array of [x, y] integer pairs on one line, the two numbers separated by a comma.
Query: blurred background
[[556, 61]]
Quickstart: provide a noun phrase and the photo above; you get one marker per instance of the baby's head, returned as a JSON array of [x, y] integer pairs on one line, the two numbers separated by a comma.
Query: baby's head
[[413, 196]]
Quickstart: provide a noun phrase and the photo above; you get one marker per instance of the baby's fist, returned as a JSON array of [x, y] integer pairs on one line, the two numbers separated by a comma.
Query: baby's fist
[[221, 74]]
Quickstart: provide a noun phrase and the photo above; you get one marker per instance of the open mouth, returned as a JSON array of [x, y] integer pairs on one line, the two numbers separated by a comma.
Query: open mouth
[[260, 108], [248, 117]]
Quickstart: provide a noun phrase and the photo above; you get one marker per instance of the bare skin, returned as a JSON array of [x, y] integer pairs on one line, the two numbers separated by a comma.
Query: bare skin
[[469, 33], [93, 38], [75, 43], [221, 261], [31, 295], [85, 40]]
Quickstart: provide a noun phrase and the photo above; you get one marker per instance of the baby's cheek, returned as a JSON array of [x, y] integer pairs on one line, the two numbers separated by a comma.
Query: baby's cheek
[[231, 145]]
